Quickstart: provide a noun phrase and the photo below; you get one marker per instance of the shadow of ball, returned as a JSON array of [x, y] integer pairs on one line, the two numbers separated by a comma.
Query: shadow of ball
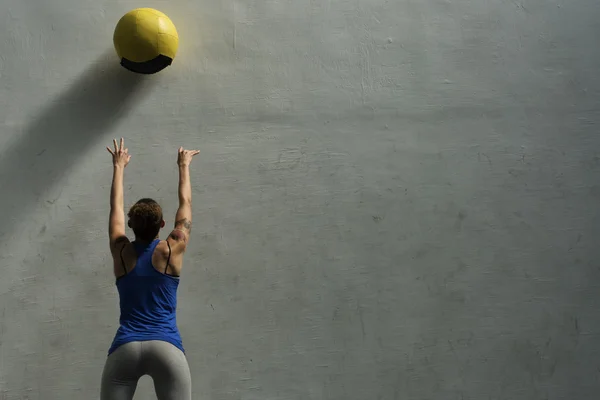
[[146, 41]]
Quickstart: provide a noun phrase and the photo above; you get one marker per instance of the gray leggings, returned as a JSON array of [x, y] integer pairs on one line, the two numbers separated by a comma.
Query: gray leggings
[[163, 362]]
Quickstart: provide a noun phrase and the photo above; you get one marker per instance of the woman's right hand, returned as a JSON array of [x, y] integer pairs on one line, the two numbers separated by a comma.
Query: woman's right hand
[[184, 157]]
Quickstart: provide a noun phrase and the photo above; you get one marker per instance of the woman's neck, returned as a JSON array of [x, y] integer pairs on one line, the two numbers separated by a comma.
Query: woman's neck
[[143, 241]]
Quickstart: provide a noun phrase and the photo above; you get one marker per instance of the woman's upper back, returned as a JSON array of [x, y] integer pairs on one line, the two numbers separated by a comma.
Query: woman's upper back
[[147, 295]]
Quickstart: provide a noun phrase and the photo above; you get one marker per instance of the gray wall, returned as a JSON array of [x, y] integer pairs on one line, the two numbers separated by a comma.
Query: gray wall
[[393, 200]]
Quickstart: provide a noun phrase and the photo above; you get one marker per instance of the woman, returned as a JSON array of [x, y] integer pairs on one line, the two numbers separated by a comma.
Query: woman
[[147, 276]]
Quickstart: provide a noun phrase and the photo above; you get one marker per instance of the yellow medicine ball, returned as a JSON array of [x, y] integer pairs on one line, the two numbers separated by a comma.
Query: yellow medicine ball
[[146, 41]]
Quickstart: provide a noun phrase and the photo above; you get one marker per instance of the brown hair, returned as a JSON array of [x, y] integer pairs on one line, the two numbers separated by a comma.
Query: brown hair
[[145, 218]]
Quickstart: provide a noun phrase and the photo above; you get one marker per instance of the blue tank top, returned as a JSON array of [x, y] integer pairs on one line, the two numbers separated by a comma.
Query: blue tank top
[[148, 302]]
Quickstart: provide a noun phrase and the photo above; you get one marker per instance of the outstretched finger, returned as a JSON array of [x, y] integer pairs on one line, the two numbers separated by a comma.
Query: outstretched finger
[[115, 144], [110, 151], [122, 144]]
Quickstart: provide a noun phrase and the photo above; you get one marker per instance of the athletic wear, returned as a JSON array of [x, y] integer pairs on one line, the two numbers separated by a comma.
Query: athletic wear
[[148, 301], [163, 362]]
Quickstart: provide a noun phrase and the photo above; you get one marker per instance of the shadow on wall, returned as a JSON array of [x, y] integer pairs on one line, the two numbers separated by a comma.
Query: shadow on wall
[[62, 134]]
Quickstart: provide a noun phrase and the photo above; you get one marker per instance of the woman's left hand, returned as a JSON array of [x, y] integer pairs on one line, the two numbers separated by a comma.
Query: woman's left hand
[[120, 154]]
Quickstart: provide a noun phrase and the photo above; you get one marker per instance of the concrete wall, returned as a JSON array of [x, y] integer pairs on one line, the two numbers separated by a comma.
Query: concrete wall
[[394, 199]]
